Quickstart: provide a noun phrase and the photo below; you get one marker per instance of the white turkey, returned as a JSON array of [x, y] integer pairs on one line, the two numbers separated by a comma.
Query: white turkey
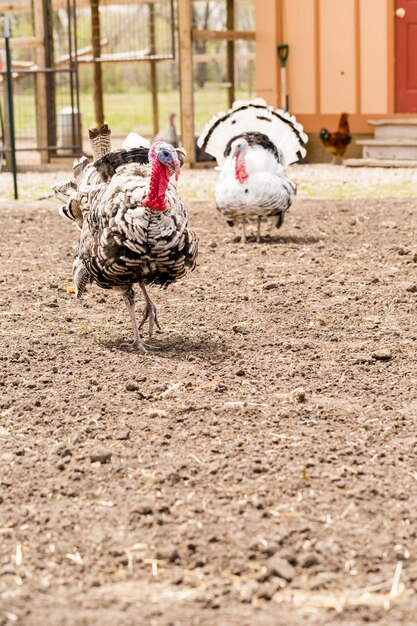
[[134, 226], [134, 140], [253, 144]]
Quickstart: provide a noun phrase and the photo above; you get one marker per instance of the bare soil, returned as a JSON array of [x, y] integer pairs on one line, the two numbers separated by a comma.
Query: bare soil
[[259, 469]]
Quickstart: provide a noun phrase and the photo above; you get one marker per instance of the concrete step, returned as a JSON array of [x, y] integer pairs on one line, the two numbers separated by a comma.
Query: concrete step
[[397, 148], [379, 163], [397, 128]]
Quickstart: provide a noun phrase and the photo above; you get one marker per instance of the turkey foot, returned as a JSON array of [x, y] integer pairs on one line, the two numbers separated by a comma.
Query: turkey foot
[[138, 343]]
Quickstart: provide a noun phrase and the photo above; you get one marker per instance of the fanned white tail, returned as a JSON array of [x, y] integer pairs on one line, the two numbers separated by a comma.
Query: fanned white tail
[[134, 140], [253, 143], [255, 116]]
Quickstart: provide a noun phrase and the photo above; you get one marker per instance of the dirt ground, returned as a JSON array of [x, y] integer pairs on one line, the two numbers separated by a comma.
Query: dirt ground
[[259, 469]]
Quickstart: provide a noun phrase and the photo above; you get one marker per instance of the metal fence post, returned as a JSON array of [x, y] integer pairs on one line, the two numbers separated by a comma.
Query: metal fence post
[[10, 102]]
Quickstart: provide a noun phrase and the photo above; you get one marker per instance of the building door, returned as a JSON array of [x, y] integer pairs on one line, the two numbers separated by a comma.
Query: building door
[[405, 56]]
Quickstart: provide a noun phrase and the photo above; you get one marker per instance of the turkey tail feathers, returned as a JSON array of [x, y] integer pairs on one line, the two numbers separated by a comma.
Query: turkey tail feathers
[[100, 141], [108, 163], [254, 116]]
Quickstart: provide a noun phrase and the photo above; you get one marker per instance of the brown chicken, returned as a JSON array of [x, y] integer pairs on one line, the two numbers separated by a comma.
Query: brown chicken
[[336, 143]]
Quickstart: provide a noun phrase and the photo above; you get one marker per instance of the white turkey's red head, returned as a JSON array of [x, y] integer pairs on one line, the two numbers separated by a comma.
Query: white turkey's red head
[[171, 118], [239, 148], [238, 151]]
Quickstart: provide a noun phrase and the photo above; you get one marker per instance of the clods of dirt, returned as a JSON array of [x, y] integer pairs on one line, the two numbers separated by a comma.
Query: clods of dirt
[[260, 468]]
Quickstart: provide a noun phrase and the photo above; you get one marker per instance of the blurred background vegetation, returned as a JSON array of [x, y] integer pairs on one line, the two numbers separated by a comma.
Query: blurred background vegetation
[[127, 85]]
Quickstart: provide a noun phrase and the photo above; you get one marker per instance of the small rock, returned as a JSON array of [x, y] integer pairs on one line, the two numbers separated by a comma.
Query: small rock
[[309, 422], [389, 224], [278, 566], [132, 386], [177, 580], [403, 251], [298, 395], [144, 508], [213, 244], [7, 457], [411, 288], [269, 589], [168, 553], [62, 450], [271, 286], [238, 328], [236, 239], [309, 560], [240, 372], [327, 547], [101, 455], [382, 355], [117, 551], [361, 358], [322, 580], [157, 413], [248, 591], [122, 435]]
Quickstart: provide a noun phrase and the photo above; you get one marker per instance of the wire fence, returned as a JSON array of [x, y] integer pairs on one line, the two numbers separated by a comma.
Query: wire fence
[[138, 54]]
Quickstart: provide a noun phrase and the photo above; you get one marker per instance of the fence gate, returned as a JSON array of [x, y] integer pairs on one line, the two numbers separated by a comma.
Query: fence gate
[[52, 45], [45, 82]]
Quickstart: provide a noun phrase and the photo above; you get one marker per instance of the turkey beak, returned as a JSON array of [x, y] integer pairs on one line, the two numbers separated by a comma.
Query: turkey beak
[[236, 153], [174, 168]]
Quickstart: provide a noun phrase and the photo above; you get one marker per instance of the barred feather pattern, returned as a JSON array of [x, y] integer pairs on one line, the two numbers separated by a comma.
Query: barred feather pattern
[[74, 192], [123, 242], [100, 141]]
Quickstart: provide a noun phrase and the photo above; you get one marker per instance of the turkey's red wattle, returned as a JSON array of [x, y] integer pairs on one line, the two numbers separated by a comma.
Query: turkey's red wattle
[[155, 199], [240, 171]]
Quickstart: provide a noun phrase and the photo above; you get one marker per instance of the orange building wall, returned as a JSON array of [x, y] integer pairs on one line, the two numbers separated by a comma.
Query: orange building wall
[[299, 32], [268, 33], [340, 59], [337, 56], [374, 57]]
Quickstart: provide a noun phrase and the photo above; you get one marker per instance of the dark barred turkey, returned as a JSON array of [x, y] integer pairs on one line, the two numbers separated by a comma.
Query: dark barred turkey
[[134, 226], [253, 144]]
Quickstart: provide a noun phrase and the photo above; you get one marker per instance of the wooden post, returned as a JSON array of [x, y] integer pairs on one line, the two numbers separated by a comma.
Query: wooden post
[[153, 68], [40, 79], [97, 74], [230, 25], [186, 78]]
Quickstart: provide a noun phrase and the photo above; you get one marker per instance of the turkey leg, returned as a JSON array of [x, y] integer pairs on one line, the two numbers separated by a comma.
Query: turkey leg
[[243, 232], [129, 298], [258, 231], [150, 311]]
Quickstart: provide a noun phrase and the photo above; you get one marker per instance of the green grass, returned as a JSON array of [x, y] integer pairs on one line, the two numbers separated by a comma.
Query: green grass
[[128, 111], [398, 190]]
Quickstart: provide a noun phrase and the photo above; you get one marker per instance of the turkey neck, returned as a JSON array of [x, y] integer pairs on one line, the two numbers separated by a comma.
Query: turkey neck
[[158, 184], [240, 168]]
